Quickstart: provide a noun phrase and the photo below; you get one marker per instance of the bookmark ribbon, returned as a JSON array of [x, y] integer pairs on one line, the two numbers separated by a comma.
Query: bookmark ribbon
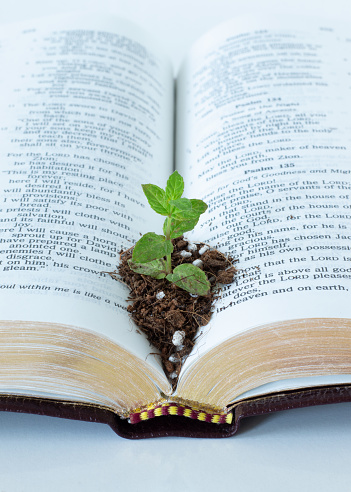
[[163, 409]]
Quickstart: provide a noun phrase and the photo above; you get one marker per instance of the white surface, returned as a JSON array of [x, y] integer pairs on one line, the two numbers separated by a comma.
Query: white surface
[[298, 450], [304, 450]]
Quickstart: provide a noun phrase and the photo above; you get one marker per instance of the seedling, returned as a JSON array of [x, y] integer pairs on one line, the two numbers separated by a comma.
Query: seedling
[[152, 253]]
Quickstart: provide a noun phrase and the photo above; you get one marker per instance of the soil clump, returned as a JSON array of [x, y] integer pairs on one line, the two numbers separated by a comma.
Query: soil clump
[[170, 317]]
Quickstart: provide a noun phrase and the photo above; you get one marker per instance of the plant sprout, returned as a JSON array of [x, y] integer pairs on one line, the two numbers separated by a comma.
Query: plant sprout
[[152, 253]]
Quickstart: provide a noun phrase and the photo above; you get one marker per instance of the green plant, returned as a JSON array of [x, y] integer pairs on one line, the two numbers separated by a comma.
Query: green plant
[[152, 253]]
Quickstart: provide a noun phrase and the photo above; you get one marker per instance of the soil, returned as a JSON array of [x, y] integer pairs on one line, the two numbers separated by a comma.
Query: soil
[[169, 316]]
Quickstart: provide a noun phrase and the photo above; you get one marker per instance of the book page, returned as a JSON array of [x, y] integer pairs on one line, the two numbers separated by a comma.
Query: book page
[[86, 117], [264, 138]]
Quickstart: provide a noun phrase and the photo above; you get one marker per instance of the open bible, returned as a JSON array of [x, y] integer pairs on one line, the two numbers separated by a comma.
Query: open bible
[[260, 130]]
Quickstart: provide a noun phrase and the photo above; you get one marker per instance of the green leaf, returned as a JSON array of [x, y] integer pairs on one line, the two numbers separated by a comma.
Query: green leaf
[[186, 208], [198, 206], [156, 197], [183, 204], [178, 227], [175, 186], [190, 278], [151, 247], [155, 269]]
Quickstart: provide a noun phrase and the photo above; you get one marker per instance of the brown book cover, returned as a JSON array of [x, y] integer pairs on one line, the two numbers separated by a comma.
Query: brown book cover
[[176, 425]]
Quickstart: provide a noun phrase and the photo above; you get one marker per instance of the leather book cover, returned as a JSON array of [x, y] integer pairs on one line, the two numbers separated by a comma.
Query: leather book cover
[[176, 425]]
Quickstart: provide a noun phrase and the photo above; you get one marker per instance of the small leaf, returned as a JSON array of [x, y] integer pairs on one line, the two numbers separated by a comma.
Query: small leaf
[[186, 208], [178, 227], [190, 278], [155, 269], [151, 247], [198, 206], [156, 197], [175, 186], [183, 204]]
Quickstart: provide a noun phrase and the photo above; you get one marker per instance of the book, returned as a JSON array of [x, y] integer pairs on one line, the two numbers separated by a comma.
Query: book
[[257, 123]]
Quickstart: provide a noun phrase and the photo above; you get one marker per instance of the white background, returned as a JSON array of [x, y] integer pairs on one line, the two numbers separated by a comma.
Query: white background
[[303, 450]]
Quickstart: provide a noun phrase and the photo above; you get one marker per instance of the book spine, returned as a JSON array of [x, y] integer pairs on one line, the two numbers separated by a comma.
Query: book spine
[[175, 409]]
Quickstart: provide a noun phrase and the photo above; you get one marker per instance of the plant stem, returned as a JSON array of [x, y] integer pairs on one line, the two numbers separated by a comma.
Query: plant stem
[[168, 238], [168, 264]]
